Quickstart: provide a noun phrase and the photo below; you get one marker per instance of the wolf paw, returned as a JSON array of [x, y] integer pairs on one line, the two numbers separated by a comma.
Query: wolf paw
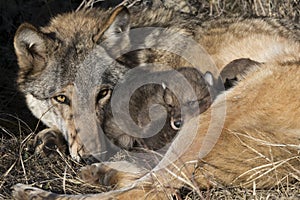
[[98, 173], [115, 174], [26, 192], [47, 142]]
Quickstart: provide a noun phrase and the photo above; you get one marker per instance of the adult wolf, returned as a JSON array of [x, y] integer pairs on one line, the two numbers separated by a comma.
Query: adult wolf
[[258, 146], [68, 68]]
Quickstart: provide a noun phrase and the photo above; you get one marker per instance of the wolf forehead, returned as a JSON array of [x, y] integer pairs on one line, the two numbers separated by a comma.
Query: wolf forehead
[[77, 28], [89, 74]]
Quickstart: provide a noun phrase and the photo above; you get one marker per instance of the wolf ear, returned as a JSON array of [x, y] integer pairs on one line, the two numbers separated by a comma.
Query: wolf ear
[[30, 48], [118, 22], [115, 34]]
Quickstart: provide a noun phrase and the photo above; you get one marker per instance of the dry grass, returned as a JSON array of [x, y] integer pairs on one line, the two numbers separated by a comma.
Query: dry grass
[[59, 173]]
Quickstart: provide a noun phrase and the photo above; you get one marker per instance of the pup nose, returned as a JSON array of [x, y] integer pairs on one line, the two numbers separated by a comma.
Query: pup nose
[[90, 160]]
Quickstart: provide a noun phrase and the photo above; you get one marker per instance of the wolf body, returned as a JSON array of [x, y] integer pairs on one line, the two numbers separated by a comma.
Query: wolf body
[[69, 68], [258, 144]]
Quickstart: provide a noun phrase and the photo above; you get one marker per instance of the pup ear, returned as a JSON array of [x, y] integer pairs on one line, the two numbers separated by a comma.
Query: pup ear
[[168, 96], [30, 48], [209, 78], [196, 78], [115, 34]]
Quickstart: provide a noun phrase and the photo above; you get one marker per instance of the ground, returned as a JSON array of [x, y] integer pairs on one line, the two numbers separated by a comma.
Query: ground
[[59, 173]]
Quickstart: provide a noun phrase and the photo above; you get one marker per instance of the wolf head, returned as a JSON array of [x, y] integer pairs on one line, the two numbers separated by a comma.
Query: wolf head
[[67, 71]]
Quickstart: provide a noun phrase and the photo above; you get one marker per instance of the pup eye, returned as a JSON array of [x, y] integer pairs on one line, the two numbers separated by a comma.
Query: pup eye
[[176, 124], [62, 99], [103, 93]]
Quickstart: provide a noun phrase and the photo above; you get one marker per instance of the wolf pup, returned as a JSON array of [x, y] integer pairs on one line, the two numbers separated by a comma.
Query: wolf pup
[[236, 70], [159, 94]]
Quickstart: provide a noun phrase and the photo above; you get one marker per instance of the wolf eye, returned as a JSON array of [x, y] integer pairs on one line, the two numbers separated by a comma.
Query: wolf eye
[[103, 93], [62, 99]]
